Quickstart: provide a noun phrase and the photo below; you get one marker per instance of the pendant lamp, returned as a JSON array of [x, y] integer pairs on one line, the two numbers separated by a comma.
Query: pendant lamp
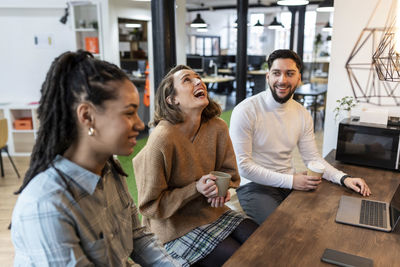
[[275, 25], [198, 22], [258, 24], [327, 27]]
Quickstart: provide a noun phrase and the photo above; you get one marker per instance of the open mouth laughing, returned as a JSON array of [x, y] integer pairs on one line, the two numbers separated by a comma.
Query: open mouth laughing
[[200, 93]]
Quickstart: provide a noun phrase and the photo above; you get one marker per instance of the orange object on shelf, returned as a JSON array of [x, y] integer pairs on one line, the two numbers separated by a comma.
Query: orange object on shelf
[[23, 124], [92, 45], [146, 96]]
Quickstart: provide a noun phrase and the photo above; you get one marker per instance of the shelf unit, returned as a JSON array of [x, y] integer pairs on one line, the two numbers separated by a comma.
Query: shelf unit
[[86, 23], [20, 142], [133, 44]]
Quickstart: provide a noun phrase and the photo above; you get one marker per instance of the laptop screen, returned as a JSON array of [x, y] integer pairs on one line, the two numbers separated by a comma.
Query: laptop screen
[[395, 208]]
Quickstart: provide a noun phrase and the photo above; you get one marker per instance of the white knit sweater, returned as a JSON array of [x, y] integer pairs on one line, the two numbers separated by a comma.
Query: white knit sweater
[[264, 134]]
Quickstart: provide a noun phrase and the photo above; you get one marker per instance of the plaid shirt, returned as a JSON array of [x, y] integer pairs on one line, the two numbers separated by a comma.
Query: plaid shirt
[[93, 221]]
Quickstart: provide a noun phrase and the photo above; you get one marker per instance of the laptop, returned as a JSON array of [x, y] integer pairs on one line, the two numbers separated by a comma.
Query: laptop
[[371, 214]]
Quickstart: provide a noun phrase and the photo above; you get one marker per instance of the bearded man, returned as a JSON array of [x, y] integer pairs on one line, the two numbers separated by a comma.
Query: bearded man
[[265, 129]]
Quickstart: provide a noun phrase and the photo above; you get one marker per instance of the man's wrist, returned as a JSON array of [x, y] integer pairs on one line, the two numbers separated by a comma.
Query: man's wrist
[[344, 178]]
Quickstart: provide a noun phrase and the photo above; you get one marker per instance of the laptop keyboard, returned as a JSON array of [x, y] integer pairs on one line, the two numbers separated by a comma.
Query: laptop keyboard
[[373, 213]]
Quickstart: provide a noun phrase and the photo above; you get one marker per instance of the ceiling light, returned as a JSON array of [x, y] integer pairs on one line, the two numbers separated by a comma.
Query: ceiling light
[[327, 27], [133, 25], [275, 25], [258, 24], [236, 21], [292, 2], [325, 6], [198, 22]]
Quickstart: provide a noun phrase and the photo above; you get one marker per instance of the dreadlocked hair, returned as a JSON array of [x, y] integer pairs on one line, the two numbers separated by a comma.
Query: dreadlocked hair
[[73, 77]]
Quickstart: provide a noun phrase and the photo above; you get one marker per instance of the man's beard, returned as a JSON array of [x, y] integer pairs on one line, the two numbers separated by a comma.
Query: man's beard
[[279, 99]]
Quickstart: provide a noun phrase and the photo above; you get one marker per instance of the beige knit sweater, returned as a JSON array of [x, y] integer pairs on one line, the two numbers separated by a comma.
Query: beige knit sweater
[[166, 171]]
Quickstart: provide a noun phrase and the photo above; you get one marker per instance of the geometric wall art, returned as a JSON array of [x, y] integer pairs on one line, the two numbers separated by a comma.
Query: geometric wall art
[[373, 66]]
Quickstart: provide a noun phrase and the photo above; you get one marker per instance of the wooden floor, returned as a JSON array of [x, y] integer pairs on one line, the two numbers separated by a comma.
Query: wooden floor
[[10, 183]]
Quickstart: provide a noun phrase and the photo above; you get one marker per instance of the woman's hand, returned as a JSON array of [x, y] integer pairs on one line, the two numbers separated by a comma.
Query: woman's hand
[[206, 186], [358, 185], [219, 201]]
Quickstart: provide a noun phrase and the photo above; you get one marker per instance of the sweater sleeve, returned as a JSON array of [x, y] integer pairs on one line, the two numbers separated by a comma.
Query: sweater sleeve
[[226, 160], [155, 199], [309, 152], [241, 131]]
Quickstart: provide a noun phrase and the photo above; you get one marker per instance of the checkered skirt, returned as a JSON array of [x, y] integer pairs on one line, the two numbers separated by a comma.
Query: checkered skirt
[[199, 242]]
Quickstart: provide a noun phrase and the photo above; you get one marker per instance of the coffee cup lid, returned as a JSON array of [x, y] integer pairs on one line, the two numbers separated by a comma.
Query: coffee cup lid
[[316, 166]]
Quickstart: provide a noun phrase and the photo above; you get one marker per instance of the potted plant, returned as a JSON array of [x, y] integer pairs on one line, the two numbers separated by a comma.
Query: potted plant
[[317, 44], [344, 106]]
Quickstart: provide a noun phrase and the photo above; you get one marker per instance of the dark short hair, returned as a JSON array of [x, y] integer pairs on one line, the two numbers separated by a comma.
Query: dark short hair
[[172, 112], [285, 53]]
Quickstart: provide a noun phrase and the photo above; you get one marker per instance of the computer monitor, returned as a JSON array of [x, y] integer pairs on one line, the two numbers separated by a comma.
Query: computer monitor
[[255, 61], [195, 62], [225, 60]]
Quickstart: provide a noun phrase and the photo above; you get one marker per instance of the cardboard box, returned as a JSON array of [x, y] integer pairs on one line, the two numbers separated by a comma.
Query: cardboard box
[[23, 124], [92, 44]]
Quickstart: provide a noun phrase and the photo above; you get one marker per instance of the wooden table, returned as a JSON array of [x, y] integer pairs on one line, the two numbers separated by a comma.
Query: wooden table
[[217, 79], [300, 229]]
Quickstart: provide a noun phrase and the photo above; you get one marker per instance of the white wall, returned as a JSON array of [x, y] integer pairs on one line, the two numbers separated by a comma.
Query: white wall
[[23, 64], [350, 17]]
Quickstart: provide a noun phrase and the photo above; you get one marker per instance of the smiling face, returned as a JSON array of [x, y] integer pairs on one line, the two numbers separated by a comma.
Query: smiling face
[[283, 79], [117, 124], [190, 91]]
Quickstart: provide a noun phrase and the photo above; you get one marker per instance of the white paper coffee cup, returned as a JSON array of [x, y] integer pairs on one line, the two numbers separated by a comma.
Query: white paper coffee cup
[[315, 168], [222, 182]]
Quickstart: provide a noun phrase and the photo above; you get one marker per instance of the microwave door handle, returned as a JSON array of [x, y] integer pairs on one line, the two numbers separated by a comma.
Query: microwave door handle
[[398, 154]]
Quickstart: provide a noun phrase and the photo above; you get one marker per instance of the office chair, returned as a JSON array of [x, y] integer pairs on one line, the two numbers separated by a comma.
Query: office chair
[[4, 147]]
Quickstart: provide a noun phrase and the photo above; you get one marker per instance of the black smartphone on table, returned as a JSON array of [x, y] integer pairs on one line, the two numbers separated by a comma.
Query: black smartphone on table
[[345, 259]]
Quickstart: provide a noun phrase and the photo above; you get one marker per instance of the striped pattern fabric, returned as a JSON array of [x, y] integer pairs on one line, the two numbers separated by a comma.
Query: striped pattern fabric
[[199, 242]]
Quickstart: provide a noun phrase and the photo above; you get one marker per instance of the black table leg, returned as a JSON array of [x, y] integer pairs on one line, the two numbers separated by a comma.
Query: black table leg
[[1, 163]]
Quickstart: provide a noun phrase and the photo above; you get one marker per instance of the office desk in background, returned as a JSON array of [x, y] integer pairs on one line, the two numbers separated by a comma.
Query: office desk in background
[[257, 76], [300, 229], [312, 90], [222, 84], [259, 79], [217, 79]]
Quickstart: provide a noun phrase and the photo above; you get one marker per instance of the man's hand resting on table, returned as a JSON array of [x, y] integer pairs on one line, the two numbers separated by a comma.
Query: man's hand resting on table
[[358, 185], [303, 182]]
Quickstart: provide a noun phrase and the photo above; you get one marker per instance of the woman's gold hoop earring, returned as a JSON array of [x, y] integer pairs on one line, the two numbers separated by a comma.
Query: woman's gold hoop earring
[[91, 131]]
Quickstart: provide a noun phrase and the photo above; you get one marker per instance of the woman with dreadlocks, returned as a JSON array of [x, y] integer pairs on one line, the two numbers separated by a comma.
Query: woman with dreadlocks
[[74, 208]]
